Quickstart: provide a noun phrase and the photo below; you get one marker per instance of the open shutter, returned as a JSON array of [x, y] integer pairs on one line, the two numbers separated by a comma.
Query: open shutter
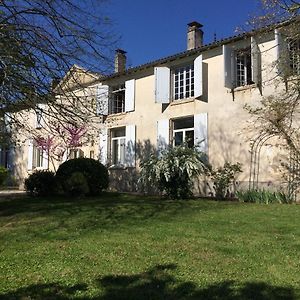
[[45, 160], [198, 76], [282, 53], [102, 100], [30, 155], [228, 66], [256, 61], [200, 132], [163, 134], [103, 146], [129, 95], [130, 146], [162, 84]]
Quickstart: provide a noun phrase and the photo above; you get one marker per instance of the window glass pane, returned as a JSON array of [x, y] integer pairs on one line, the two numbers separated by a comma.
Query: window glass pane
[[122, 151], [184, 123], [118, 132], [115, 150], [189, 138], [178, 138]]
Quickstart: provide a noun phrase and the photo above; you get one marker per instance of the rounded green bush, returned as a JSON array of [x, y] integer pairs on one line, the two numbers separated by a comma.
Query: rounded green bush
[[94, 172], [3, 174], [41, 183], [77, 185]]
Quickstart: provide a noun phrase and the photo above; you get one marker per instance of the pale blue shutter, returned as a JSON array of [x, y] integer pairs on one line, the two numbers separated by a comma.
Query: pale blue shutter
[[102, 100], [129, 95], [162, 84], [228, 66], [103, 145], [30, 155], [256, 61], [130, 146], [201, 132], [163, 135], [198, 75]]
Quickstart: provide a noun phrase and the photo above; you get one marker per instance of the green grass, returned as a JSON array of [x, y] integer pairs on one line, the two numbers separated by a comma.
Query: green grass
[[130, 247]]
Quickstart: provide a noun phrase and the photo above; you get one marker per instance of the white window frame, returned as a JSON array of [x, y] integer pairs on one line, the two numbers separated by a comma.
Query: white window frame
[[120, 140], [294, 56], [188, 73], [183, 130], [241, 67], [37, 157], [117, 90]]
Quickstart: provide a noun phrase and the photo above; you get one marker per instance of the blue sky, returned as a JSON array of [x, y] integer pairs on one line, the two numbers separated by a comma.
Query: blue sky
[[152, 29]]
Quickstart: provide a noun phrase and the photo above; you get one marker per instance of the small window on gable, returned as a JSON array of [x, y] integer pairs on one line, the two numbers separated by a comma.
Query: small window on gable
[[183, 132], [183, 82], [294, 56], [243, 67], [118, 99]]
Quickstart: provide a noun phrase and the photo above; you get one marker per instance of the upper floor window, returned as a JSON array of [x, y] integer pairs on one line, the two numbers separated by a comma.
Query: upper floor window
[[183, 131], [183, 82], [243, 67], [294, 56], [118, 99]]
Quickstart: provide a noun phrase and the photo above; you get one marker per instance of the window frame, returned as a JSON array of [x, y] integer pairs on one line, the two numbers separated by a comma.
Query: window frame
[[294, 56], [115, 91], [243, 65], [121, 143], [183, 130], [37, 157]]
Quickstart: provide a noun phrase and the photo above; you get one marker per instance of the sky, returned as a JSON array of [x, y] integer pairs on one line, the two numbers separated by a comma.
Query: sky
[[152, 29]]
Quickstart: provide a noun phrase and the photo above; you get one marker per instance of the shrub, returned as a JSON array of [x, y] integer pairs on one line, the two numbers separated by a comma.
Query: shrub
[[77, 185], [174, 171], [95, 173], [41, 183], [223, 179], [3, 174], [262, 196]]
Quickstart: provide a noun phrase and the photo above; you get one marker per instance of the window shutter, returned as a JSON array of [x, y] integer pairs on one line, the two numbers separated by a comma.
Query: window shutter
[[228, 66], [30, 155], [163, 135], [7, 121], [200, 132], [102, 100], [198, 76], [103, 145], [45, 160], [162, 84], [129, 95], [282, 53], [256, 62], [130, 146], [40, 116]]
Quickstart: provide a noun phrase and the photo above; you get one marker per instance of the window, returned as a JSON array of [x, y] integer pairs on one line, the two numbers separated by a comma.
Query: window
[[118, 145], [76, 153], [118, 99], [92, 154], [183, 132], [294, 56], [243, 67], [183, 82], [39, 116], [37, 158]]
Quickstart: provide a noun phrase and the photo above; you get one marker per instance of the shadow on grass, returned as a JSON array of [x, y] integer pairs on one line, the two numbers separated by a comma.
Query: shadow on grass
[[156, 283]]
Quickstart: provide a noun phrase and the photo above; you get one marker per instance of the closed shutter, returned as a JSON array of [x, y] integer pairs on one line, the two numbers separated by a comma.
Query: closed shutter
[[201, 132], [102, 100], [103, 145], [163, 135], [45, 160], [162, 84], [130, 146], [198, 75], [282, 53], [256, 62], [228, 66], [30, 155], [129, 95]]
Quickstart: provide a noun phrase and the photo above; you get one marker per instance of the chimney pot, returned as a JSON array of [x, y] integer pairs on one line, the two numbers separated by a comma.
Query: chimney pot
[[194, 35], [120, 61]]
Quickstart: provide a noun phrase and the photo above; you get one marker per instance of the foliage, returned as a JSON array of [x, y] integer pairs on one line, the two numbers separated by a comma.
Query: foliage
[[41, 183], [223, 178], [117, 248], [174, 171], [77, 185], [3, 174], [94, 172], [262, 196]]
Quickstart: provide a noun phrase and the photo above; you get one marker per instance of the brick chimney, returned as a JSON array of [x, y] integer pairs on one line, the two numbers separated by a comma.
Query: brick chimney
[[194, 35], [120, 61]]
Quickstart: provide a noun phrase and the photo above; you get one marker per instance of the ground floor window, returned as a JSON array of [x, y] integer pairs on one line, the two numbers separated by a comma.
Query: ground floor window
[[76, 153], [118, 145], [183, 131], [37, 158]]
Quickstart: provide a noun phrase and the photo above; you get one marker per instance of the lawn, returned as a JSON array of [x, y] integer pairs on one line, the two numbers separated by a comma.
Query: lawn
[[132, 247]]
